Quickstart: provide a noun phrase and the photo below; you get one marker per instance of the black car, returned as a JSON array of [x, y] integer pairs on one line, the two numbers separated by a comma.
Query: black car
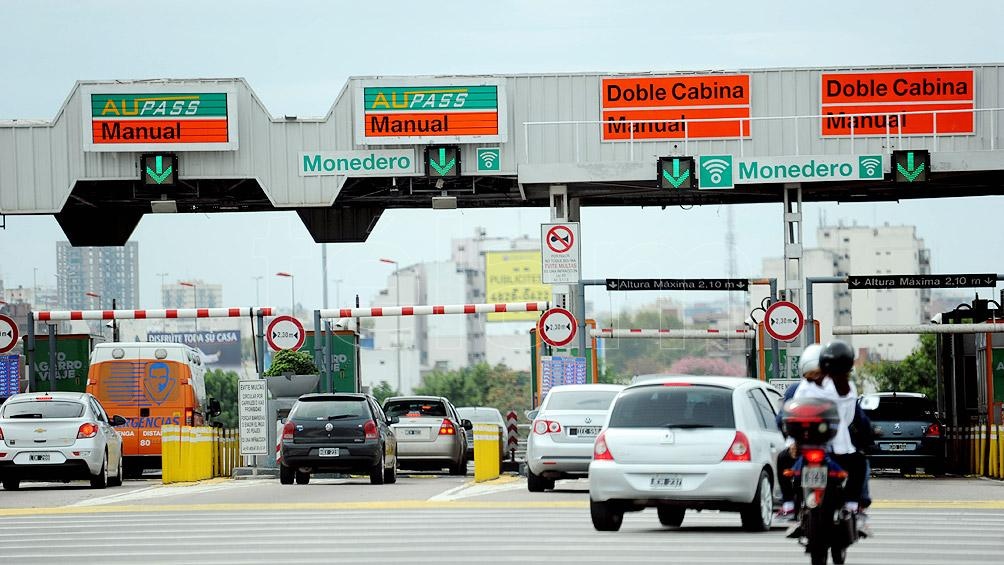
[[339, 433], [908, 433]]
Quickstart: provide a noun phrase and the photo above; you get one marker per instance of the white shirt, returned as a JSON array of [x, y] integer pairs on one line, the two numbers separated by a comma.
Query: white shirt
[[841, 443]]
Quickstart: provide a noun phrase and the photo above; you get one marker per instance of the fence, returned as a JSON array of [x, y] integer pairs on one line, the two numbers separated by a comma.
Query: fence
[[197, 453]]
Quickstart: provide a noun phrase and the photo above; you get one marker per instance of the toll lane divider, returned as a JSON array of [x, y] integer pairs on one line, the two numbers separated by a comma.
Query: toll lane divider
[[486, 452], [191, 454]]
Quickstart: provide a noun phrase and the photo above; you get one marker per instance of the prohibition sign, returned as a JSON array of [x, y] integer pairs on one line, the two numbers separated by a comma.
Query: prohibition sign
[[559, 239], [284, 332], [783, 321], [8, 333], [556, 327]]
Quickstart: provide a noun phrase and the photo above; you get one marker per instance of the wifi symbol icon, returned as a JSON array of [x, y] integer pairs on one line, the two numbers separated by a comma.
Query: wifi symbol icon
[[716, 171], [870, 167], [488, 159]]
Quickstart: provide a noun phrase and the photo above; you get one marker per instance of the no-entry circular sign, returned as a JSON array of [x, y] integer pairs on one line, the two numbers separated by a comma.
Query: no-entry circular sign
[[284, 332], [8, 333], [556, 327], [784, 321], [560, 239]]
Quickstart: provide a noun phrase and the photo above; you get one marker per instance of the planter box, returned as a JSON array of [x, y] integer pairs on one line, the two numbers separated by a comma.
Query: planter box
[[292, 386]]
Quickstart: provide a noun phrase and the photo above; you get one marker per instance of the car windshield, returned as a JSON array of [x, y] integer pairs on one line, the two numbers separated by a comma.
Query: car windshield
[[902, 408], [328, 409], [479, 416], [43, 409], [674, 407], [415, 408], [580, 400]]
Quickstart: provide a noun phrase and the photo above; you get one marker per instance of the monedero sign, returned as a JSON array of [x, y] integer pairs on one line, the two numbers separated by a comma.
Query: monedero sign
[[137, 117], [384, 162], [809, 168]]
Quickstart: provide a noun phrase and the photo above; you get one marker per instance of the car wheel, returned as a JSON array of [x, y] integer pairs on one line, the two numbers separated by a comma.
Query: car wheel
[[758, 515], [390, 475], [460, 468], [286, 474], [671, 516], [101, 479], [607, 516], [132, 470], [376, 473], [11, 484], [301, 477], [536, 483], [936, 469], [116, 481]]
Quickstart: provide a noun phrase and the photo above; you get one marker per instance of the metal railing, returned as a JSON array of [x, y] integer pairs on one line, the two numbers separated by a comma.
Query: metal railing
[[746, 126]]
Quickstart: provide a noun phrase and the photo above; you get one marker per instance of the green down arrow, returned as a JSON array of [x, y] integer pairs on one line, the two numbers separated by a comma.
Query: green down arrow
[[910, 173], [676, 179], [161, 174], [442, 167]]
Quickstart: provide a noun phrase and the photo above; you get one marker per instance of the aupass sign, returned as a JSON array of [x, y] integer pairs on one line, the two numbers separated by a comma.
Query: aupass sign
[[420, 111], [147, 117], [726, 171]]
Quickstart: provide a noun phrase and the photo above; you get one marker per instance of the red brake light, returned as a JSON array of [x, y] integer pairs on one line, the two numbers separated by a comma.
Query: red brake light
[[814, 456], [43, 398], [189, 417], [739, 450], [447, 428], [934, 430], [370, 429], [544, 427], [600, 450], [287, 430], [87, 430], [675, 384]]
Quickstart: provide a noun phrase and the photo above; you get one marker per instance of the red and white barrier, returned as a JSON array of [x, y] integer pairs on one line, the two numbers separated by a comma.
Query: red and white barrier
[[987, 327], [170, 313], [388, 311], [673, 333]]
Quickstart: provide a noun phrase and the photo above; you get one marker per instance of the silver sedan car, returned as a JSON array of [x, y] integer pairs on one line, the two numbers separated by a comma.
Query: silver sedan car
[[688, 442], [46, 436], [430, 433]]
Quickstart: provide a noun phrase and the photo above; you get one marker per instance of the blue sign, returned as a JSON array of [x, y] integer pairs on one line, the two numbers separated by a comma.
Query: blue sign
[[10, 375], [556, 371]]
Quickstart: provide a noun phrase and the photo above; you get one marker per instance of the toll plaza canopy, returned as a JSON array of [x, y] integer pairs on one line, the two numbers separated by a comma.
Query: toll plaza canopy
[[117, 150]]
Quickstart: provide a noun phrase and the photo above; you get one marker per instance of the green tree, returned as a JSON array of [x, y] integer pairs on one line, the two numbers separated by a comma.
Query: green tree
[[383, 391], [626, 358], [290, 361], [481, 385], [222, 385], [917, 373]]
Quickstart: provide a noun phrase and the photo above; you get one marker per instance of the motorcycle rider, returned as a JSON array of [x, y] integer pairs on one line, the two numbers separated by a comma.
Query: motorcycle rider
[[808, 366]]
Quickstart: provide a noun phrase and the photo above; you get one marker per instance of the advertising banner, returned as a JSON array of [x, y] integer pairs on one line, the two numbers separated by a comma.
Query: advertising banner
[[514, 276], [219, 349], [73, 353]]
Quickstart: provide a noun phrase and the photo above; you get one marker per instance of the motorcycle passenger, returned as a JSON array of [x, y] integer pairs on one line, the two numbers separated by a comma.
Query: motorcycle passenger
[[808, 366]]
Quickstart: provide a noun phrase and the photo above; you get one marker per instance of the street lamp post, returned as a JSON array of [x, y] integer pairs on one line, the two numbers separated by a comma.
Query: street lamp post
[[397, 285], [97, 297], [257, 290], [195, 300], [292, 291]]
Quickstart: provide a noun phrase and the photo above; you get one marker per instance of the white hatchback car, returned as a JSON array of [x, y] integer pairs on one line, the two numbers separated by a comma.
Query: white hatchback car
[[47, 436], [560, 444], [688, 442]]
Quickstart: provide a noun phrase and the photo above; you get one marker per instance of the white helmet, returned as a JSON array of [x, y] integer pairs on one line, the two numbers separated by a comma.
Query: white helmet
[[809, 361]]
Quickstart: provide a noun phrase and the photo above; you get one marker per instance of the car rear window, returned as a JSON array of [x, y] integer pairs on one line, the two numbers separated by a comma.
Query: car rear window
[[43, 409], [415, 408], [479, 416], [580, 400], [902, 408], [330, 409], [691, 406]]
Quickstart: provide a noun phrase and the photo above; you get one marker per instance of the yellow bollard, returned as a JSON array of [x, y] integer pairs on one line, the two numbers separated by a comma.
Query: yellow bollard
[[486, 452], [170, 453]]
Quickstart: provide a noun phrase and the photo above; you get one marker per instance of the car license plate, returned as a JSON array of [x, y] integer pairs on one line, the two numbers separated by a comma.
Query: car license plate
[[414, 432], [900, 447], [666, 481], [329, 452], [40, 458], [814, 477], [584, 432]]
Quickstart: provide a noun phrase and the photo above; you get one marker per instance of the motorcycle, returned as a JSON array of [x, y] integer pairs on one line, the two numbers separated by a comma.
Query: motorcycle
[[826, 527]]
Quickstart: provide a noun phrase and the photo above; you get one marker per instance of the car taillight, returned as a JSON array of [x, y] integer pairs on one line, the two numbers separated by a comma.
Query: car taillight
[[370, 429], [189, 417], [1, 433], [287, 430], [543, 427], [87, 430], [447, 428], [814, 456], [739, 450], [934, 430], [600, 450]]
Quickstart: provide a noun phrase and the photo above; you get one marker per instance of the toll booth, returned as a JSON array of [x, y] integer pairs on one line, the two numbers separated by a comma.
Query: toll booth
[[970, 387]]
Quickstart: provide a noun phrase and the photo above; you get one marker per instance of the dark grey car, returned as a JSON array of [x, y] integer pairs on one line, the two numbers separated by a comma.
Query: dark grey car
[[908, 433], [342, 433]]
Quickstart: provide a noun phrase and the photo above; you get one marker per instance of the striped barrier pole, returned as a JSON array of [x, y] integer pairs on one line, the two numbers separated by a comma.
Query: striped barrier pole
[[673, 333], [168, 313], [428, 310]]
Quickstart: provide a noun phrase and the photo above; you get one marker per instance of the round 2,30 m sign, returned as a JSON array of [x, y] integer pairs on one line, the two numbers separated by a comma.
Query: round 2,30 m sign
[[8, 333], [556, 327], [783, 321], [284, 332]]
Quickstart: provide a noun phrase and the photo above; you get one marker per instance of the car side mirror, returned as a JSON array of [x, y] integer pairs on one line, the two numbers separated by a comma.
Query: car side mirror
[[214, 407], [531, 414], [117, 421], [393, 420], [467, 424]]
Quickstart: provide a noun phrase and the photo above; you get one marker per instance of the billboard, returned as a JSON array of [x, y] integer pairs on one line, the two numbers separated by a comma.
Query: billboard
[[73, 355], [514, 276], [221, 348]]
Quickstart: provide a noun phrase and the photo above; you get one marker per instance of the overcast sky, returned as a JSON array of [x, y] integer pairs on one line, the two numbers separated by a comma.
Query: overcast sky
[[297, 56]]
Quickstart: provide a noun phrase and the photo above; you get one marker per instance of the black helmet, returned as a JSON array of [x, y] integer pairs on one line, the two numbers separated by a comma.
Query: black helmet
[[837, 358]]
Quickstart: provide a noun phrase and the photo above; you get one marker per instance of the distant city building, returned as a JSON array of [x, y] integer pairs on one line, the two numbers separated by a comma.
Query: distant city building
[[194, 294], [91, 277], [40, 298], [861, 250]]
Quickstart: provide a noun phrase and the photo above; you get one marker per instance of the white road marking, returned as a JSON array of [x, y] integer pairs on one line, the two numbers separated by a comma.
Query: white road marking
[[161, 491]]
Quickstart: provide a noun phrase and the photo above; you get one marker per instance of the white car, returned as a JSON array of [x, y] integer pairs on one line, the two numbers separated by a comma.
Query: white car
[[484, 415], [47, 436], [688, 442], [560, 444]]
